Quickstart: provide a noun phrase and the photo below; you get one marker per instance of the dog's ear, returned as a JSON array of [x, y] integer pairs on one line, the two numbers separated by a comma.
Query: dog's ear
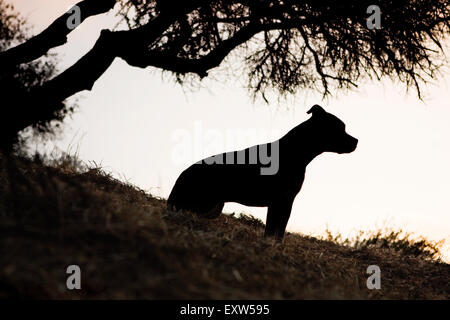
[[316, 109]]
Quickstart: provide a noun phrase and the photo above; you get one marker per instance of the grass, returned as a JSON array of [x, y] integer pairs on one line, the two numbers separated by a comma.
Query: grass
[[398, 240], [57, 213]]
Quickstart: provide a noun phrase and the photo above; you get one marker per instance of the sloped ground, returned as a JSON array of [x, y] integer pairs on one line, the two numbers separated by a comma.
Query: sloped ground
[[128, 246]]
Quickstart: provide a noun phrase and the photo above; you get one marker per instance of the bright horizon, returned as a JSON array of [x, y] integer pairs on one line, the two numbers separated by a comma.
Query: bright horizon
[[399, 173]]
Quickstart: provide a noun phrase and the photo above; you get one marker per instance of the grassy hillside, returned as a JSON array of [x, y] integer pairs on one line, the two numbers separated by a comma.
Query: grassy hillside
[[53, 215]]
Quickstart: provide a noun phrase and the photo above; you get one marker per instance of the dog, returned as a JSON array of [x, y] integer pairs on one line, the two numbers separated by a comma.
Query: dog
[[240, 177]]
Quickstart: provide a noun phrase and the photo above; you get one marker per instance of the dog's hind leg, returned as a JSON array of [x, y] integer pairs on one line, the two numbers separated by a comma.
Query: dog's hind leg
[[212, 211], [278, 215]]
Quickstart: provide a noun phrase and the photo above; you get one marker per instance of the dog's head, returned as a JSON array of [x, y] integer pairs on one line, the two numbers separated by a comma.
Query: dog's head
[[329, 132]]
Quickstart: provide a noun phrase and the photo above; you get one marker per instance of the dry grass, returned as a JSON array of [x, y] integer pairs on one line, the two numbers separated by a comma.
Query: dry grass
[[127, 245]]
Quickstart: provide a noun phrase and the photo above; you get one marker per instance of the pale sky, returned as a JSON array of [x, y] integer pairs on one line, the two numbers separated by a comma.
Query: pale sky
[[399, 175]]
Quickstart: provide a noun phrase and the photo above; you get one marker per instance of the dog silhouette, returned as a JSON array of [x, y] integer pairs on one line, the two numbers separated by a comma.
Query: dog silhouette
[[245, 176]]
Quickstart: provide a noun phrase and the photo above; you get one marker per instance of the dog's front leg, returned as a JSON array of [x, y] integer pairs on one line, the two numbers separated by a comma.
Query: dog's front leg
[[277, 218]]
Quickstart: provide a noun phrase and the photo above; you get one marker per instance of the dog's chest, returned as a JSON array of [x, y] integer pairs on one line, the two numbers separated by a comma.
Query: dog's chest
[[292, 182]]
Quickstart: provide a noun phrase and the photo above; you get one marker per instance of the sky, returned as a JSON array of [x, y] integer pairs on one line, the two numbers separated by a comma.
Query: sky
[[135, 122]]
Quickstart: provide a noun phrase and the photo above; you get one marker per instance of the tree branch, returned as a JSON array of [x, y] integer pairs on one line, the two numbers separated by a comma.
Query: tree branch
[[319, 68], [55, 35], [86, 71], [201, 65]]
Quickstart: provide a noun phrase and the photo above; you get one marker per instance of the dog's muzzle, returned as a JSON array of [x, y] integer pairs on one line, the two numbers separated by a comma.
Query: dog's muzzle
[[350, 145]]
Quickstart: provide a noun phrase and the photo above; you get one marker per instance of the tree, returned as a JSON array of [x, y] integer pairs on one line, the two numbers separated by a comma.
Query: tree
[[18, 79], [286, 45]]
